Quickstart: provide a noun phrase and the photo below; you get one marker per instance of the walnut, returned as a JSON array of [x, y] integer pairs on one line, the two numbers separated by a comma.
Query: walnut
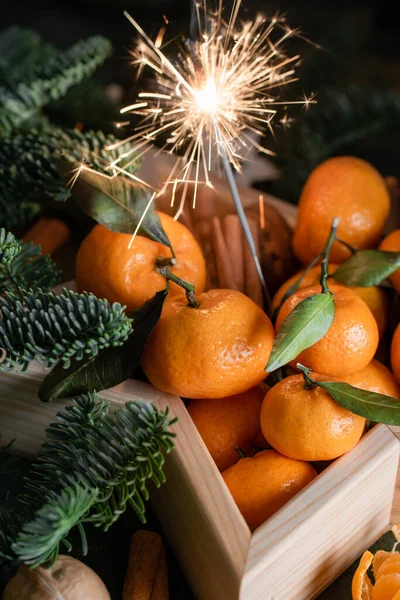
[[67, 579]]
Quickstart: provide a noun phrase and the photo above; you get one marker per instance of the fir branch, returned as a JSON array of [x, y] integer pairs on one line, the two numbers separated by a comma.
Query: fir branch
[[39, 540], [35, 325], [339, 119], [23, 266], [21, 52], [86, 103], [50, 81], [28, 166], [95, 466]]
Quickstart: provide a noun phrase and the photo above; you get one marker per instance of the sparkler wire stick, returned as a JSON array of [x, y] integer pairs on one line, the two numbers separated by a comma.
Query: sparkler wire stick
[[243, 220]]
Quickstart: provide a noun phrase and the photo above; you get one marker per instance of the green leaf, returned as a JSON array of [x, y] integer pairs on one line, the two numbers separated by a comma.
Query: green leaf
[[306, 324], [375, 407], [368, 267], [115, 202], [110, 367]]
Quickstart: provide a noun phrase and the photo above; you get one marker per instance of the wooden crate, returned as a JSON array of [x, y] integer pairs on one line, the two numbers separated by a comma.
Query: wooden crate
[[294, 555]]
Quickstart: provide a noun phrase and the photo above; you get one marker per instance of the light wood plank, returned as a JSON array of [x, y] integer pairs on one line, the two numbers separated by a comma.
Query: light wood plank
[[318, 534], [199, 516], [395, 518], [24, 417], [195, 507]]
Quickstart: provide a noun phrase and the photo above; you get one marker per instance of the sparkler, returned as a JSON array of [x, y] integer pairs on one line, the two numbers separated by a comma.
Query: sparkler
[[213, 99]]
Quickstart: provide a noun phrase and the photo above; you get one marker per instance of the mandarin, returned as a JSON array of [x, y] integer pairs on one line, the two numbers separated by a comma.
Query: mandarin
[[107, 267], [306, 423], [395, 354], [352, 190], [352, 339], [386, 570], [228, 423], [375, 377], [374, 296], [263, 484], [391, 243], [216, 350]]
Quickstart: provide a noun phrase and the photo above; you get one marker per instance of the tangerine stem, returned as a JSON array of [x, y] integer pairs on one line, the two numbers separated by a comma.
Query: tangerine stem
[[241, 452], [295, 286], [326, 255], [188, 287], [309, 382], [165, 261]]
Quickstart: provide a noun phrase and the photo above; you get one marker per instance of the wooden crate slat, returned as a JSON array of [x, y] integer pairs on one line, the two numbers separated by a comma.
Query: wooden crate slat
[[325, 527], [199, 516]]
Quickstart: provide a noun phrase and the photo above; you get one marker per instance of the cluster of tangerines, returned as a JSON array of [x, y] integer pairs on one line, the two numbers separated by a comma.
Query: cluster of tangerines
[[213, 350]]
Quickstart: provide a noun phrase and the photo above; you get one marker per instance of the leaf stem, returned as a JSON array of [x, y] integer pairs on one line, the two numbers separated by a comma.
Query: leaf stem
[[346, 245], [326, 255], [188, 287], [309, 382], [241, 452], [295, 286]]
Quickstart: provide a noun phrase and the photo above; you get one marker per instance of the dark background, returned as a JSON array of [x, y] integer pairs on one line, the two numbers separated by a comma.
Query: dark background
[[362, 35], [360, 45]]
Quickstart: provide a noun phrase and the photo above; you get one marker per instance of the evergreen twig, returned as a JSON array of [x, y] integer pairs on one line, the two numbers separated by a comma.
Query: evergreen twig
[[28, 168], [340, 118], [35, 325], [23, 266], [50, 81], [91, 468]]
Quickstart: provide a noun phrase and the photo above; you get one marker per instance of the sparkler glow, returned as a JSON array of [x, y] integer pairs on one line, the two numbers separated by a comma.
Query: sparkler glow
[[214, 97]]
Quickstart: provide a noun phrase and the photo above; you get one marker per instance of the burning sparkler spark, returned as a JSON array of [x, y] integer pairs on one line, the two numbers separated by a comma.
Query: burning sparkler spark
[[215, 97]]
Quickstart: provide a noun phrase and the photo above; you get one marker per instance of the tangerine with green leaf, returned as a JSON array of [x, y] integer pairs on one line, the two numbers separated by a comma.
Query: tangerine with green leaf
[[391, 243], [352, 190], [350, 342], [228, 423], [110, 268], [374, 296], [395, 354], [375, 377], [261, 485], [304, 422], [214, 350]]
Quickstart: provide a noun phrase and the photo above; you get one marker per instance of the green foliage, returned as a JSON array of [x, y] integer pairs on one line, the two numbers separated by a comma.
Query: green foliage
[[117, 203], [39, 539], [28, 168], [37, 77], [50, 80], [304, 326], [23, 266], [21, 50], [377, 408], [36, 325], [91, 468], [109, 367], [340, 118], [367, 267]]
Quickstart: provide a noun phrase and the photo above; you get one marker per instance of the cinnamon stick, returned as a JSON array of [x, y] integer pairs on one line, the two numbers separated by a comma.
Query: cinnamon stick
[[203, 234], [253, 283], [146, 576], [49, 233], [224, 266], [233, 239]]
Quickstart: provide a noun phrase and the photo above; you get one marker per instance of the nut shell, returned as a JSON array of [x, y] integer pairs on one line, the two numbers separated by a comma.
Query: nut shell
[[67, 579]]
